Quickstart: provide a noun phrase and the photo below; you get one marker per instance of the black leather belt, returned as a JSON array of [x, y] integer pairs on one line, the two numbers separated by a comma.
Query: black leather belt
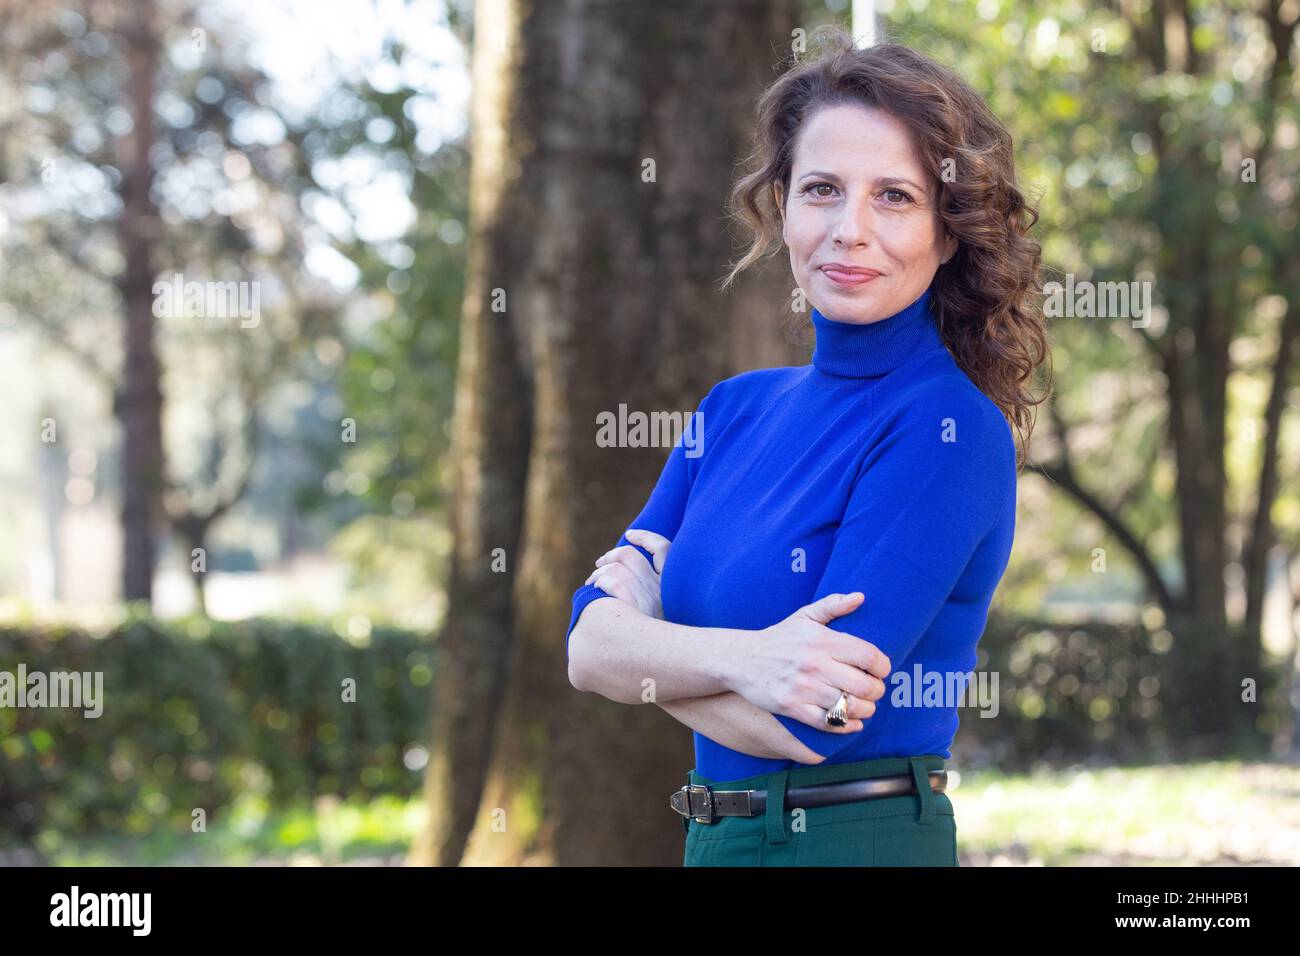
[[704, 804]]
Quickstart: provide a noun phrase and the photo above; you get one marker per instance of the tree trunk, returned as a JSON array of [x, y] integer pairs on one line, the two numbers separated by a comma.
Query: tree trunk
[[489, 455], [610, 281], [1261, 541], [138, 401], [194, 531]]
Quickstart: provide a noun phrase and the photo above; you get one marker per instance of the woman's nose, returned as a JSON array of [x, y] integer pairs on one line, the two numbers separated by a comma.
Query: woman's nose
[[854, 227]]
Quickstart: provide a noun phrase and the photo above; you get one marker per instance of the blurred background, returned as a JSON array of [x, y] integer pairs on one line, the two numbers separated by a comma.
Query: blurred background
[[306, 310]]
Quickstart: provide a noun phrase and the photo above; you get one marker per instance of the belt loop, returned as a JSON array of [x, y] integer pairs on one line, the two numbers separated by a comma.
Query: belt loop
[[775, 815], [922, 778]]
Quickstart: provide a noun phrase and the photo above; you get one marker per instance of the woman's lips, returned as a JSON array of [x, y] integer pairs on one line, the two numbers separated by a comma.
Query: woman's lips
[[848, 279]]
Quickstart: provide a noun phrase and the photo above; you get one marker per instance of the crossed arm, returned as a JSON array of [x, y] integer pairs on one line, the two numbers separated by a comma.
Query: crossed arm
[[736, 723], [691, 685]]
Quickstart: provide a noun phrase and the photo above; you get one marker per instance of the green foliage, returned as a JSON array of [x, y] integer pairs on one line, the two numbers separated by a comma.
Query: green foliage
[[1137, 171], [196, 714], [324, 832], [398, 377], [1103, 692]]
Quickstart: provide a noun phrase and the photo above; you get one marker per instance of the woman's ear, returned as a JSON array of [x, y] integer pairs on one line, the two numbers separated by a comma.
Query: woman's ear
[[949, 248], [780, 207]]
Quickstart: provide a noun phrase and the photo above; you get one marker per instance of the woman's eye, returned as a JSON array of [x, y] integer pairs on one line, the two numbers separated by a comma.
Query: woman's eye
[[902, 200]]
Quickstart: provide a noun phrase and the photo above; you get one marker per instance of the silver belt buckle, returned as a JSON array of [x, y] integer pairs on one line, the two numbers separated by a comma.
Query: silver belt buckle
[[682, 803]]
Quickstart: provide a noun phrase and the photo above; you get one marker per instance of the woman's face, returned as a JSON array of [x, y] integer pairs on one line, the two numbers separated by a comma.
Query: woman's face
[[860, 198]]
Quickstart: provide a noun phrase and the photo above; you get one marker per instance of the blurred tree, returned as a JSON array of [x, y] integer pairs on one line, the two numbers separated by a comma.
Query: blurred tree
[[398, 377], [164, 157], [596, 245], [1167, 132]]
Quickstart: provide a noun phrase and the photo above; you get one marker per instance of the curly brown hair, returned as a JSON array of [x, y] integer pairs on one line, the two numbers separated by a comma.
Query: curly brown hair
[[987, 296]]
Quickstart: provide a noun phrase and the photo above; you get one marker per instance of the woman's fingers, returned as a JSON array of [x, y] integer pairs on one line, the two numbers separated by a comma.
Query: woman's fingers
[[826, 609], [626, 554], [855, 680], [656, 544], [858, 710], [625, 573], [626, 558], [613, 580], [607, 572], [859, 707]]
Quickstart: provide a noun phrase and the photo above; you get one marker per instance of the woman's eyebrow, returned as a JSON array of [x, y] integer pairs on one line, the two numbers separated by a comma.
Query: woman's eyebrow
[[882, 181]]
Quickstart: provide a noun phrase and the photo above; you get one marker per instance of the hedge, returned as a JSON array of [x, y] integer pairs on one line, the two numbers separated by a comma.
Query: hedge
[[1109, 692], [196, 712]]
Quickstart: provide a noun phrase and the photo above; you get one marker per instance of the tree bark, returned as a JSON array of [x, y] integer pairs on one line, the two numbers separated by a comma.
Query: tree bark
[[138, 400], [610, 281], [1255, 559], [489, 453]]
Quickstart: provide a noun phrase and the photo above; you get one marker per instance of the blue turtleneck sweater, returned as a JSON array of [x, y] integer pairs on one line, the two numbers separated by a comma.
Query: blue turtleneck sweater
[[878, 468]]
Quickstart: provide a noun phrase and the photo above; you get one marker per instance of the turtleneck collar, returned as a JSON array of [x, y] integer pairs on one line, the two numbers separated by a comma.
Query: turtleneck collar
[[852, 350]]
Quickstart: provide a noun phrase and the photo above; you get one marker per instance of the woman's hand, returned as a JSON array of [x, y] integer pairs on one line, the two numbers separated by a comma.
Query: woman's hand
[[625, 574], [799, 666]]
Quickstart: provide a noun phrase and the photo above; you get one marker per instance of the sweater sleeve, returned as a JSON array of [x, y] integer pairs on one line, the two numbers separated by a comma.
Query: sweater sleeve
[[926, 495], [666, 505]]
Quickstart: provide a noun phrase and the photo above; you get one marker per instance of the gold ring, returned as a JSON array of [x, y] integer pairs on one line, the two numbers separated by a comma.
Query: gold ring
[[838, 715]]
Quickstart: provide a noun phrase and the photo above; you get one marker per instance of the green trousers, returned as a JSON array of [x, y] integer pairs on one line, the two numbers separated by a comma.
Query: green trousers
[[906, 830]]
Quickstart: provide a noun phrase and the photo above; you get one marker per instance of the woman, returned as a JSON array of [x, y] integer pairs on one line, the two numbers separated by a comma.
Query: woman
[[843, 522]]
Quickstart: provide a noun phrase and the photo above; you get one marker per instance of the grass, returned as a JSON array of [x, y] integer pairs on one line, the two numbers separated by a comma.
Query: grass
[[1218, 813], [1215, 813], [327, 833]]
